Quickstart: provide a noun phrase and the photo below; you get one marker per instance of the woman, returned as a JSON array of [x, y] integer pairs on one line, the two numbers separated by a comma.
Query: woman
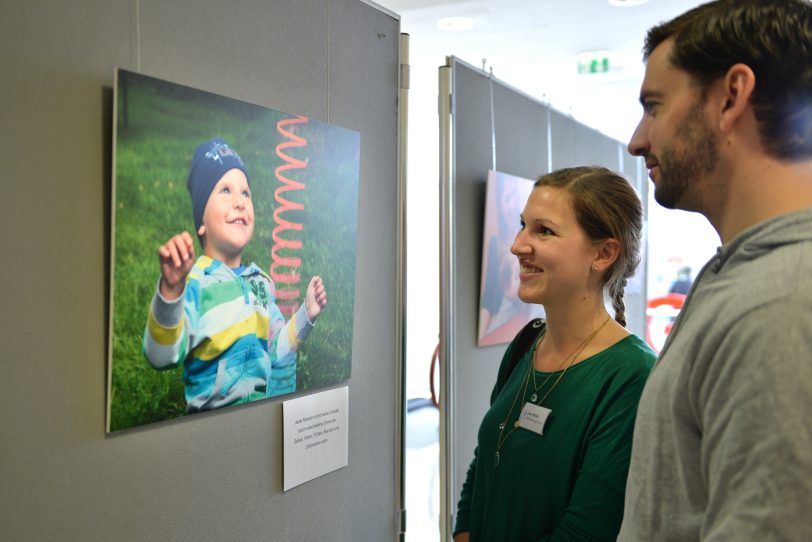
[[553, 450]]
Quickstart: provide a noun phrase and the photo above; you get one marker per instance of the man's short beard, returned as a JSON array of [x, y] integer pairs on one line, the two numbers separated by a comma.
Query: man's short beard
[[692, 154]]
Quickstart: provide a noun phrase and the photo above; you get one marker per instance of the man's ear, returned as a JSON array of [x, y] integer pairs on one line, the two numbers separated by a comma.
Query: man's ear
[[738, 85], [608, 253]]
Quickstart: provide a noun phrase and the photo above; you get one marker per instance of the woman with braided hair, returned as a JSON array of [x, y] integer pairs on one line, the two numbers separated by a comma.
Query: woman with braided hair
[[553, 450]]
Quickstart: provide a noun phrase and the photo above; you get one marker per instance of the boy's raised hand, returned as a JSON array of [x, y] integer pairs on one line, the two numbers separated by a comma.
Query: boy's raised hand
[[315, 299], [177, 257]]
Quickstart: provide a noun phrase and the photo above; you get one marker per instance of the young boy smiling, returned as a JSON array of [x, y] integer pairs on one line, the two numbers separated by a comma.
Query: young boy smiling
[[215, 314]]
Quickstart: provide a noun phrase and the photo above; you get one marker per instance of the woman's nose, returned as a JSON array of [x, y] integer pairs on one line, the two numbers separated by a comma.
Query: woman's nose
[[518, 246]]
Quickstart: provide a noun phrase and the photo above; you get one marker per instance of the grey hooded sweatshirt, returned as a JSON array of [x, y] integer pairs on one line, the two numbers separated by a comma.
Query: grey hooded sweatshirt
[[722, 446]]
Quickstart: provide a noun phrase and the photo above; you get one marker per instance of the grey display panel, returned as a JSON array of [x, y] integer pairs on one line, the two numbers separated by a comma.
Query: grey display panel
[[520, 136], [219, 476]]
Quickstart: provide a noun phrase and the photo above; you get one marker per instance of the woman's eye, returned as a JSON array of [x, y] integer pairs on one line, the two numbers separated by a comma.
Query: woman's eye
[[546, 231], [521, 224], [246, 194], [225, 190]]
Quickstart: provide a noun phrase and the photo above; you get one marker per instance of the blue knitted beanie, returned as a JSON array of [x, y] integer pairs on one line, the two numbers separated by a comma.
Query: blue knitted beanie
[[212, 159]]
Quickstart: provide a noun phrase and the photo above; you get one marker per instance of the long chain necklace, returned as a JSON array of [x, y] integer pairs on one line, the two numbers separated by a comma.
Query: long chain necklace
[[500, 441]]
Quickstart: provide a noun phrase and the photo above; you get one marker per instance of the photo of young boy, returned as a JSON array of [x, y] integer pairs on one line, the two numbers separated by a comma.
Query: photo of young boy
[[230, 223], [217, 315]]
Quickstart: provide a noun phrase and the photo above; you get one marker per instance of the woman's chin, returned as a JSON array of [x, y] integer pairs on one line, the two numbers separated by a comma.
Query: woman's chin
[[528, 297]]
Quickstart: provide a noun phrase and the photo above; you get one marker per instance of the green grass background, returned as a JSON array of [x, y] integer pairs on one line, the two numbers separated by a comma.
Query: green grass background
[[159, 124]]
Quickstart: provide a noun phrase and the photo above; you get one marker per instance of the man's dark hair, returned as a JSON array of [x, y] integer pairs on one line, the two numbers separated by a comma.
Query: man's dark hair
[[773, 38]]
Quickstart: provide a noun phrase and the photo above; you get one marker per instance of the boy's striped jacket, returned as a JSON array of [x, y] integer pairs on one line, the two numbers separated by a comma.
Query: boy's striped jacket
[[230, 335]]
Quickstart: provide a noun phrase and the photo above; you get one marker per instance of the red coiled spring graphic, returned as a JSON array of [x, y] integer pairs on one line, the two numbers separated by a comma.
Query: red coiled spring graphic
[[285, 265]]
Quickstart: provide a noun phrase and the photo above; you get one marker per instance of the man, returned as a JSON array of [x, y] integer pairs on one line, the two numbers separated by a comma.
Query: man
[[723, 440]]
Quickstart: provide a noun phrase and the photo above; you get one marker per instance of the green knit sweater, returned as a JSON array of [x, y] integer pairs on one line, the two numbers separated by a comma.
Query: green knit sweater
[[568, 483]]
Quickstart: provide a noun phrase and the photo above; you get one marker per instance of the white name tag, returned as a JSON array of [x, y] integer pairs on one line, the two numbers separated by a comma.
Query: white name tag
[[533, 418]]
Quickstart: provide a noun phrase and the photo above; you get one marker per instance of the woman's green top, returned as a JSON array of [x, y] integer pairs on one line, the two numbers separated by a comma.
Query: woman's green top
[[568, 483]]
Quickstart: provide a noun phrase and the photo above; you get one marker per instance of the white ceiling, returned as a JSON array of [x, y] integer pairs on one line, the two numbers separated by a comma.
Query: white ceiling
[[533, 45]]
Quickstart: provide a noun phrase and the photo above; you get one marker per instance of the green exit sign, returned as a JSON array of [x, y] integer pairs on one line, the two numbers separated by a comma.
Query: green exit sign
[[597, 62]]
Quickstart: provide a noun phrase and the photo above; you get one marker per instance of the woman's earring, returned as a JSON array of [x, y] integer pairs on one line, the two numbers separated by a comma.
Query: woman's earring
[[594, 268]]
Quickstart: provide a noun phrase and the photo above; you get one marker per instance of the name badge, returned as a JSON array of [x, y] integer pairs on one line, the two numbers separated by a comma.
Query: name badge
[[533, 418]]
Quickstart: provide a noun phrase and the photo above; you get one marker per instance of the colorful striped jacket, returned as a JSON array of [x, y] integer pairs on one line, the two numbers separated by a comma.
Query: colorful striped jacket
[[230, 335]]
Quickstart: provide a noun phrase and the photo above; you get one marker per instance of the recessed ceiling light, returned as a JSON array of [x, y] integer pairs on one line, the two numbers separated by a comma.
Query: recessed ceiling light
[[627, 3], [455, 24]]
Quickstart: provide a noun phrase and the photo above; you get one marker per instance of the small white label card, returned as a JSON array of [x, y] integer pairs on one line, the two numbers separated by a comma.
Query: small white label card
[[315, 429], [533, 418]]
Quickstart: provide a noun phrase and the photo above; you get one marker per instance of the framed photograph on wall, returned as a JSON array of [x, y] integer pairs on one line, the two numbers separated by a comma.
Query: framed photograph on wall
[[233, 233], [501, 313]]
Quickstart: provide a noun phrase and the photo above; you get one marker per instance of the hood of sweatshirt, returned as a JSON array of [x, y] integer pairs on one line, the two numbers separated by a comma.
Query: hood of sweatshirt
[[754, 242]]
